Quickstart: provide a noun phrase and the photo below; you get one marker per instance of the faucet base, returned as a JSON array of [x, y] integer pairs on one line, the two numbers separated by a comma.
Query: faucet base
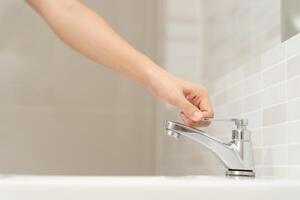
[[231, 172]]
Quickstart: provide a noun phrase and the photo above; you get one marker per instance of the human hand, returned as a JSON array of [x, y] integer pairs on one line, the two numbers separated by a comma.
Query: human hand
[[191, 99]]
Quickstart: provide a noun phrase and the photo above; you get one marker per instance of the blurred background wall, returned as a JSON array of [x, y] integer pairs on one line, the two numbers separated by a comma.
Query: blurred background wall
[[63, 114]]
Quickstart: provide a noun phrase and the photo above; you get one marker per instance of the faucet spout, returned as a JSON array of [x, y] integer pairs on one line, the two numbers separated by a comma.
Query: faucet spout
[[236, 156]]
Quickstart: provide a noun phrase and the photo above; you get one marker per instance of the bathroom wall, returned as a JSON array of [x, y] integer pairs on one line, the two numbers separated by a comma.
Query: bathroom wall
[[63, 114], [235, 31], [266, 91], [249, 73]]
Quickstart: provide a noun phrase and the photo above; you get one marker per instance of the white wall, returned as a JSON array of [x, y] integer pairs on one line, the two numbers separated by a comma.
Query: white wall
[[63, 114]]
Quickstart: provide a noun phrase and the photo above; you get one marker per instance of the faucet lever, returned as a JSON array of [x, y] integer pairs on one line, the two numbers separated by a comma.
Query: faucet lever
[[240, 123]]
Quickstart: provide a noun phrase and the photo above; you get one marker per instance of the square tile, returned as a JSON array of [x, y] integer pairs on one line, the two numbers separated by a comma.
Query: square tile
[[256, 137], [274, 75], [235, 92], [293, 88], [252, 67], [293, 67], [235, 108], [257, 154], [273, 171], [274, 95], [294, 151], [293, 132], [255, 119], [253, 84], [235, 76], [293, 46], [293, 111], [274, 115], [274, 135], [252, 102], [275, 155], [273, 56]]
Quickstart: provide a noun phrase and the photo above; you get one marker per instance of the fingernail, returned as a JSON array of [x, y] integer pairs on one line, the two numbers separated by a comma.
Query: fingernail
[[197, 115]]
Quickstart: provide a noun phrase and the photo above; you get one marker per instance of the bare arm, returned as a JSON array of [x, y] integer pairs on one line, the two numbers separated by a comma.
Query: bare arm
[[85, 31]]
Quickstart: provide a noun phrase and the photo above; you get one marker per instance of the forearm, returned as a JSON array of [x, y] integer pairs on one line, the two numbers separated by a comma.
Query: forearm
[[86, 32]]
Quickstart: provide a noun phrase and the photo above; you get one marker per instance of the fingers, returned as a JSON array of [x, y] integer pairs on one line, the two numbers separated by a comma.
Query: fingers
[[190, 122], [187, 120], [206, 108], [190, 110], [198, 97]]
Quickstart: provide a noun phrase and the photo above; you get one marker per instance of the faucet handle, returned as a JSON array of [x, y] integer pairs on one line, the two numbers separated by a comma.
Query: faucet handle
[[240, 123]]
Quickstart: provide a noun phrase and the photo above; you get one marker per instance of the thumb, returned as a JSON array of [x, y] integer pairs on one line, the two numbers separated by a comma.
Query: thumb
[[190, 110]]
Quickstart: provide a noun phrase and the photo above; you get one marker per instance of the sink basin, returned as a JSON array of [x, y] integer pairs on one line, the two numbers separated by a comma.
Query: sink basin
[[17, 187]]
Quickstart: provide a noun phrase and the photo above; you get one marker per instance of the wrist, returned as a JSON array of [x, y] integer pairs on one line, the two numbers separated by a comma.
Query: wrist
[[152, 74]]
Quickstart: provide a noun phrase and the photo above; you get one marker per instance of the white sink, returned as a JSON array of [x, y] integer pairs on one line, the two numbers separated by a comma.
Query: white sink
[[16, 187]]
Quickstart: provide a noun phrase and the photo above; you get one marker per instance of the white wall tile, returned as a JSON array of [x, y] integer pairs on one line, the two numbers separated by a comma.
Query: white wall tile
[[221, 84], [235, 108], [293, 46], [293, 152], [274, 135], [235, 92], [252, 102], [274, 95], [273, 56], [294, 171], [257, 154], [253, 84], [293, 111], [275, 155], [293, 67], [256, 137], [274, 115], [293, 132], [293, 88], [273, 171], [221, 98], [252, 67], [274, 75], [235, 76], [255, 119]]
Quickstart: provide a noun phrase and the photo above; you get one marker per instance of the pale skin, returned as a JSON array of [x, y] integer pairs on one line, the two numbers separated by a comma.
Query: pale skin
[[88, 33]]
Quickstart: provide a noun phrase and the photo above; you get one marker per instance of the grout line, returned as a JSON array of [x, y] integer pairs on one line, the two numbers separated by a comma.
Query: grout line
[[285, 60], [275, 146], [286, 99], [277, 166], [260, 108], [260, 73]]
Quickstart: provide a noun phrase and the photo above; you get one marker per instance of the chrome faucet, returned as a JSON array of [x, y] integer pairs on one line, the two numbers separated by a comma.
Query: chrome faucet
[[236, 155]]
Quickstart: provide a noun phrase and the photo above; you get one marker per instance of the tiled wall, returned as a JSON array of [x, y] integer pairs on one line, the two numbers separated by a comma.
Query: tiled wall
[[234, 31], [266, 91], [265, 88]]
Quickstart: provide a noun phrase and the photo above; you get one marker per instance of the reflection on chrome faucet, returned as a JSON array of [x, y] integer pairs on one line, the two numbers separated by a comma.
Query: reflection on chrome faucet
[[236, 155]]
